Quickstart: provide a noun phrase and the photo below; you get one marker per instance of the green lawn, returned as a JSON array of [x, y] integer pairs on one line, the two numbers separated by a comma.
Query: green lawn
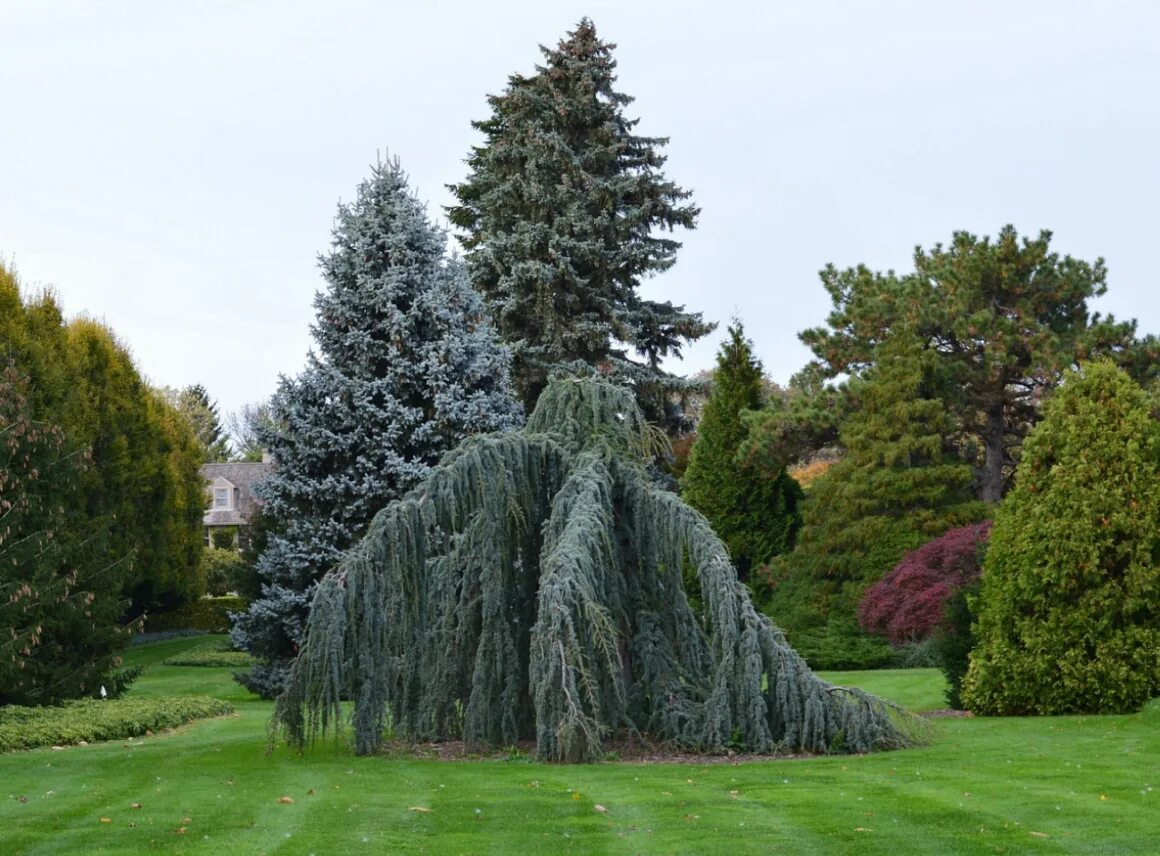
[[1059, 785]]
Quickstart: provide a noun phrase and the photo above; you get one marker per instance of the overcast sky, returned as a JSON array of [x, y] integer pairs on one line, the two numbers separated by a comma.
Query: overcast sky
[[174, 168]]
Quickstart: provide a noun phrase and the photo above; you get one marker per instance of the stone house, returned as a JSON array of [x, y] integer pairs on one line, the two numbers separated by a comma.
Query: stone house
[[232, 501]]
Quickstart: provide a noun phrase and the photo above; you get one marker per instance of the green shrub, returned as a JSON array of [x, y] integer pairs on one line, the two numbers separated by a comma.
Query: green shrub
[[221, 569], [100, 719], [215, 654], [210, 614], [954, 639], [1069, 611], [224, 538]]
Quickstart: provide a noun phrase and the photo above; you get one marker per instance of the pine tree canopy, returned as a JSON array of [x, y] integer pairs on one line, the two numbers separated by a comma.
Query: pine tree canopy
[[530, 586], [406, 367], [755, 514], [1005, 316], [559, 216]]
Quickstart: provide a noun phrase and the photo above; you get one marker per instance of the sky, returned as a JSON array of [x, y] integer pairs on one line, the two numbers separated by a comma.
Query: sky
[[174, 169]]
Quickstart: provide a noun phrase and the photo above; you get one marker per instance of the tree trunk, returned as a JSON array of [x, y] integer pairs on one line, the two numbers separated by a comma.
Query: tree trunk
[[994, 434]]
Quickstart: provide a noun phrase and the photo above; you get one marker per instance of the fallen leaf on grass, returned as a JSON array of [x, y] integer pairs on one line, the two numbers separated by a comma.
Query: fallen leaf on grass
[[179, 831], [862, 829], [185, 821], [106, 820], [599, 808], [1103, 797], [422, 809], [1040, 834], [23, 799], [286, 800], [310, 792], [134, 805]]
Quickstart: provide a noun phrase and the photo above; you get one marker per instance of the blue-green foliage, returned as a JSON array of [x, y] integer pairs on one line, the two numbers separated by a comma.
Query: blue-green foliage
[[563, 214], [406, 367]]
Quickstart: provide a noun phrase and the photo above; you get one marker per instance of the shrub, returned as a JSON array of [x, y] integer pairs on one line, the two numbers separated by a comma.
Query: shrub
[[221, 569], [224, 538], [1069, 611], [215, 654], [100, 719], [954, 639], [909, 603], [210, 614]]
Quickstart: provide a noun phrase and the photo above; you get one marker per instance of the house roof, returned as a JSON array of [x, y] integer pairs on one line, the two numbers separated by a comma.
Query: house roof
[[242, 476]]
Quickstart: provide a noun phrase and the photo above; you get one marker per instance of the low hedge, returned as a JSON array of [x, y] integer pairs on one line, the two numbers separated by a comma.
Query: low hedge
[[90, 720], [210, 656], [210, 614]]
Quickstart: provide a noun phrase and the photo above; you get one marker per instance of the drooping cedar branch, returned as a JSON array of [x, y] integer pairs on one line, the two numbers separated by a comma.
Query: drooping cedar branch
[[532, 586]]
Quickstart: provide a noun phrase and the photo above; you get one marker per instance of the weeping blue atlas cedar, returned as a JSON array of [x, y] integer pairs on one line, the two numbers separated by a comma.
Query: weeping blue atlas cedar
[[531, 586]]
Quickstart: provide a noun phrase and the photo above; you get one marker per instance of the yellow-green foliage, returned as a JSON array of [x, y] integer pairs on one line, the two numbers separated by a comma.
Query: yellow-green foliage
[[210, 614], [100, 719], [1069, 613]]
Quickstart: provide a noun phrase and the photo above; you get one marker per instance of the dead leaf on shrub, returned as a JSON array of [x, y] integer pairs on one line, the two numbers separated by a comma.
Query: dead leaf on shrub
[[286, 800]]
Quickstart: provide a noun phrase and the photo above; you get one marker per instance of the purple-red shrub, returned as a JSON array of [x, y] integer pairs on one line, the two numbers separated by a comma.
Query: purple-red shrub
[[907, 604]]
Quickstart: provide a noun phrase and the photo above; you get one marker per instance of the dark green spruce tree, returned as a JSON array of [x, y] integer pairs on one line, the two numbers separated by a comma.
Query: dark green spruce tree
[[528, 587], [897, 487], [755, 515], [201, 412], [559, 218]]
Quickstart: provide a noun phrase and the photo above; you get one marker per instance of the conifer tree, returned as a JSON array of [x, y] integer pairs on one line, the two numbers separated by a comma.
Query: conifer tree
[[201, 412], [754, 514], [1069, 612], [60, 604], [558, 218], [406, 366], [528, 587], [896, 488], [1006, 317]]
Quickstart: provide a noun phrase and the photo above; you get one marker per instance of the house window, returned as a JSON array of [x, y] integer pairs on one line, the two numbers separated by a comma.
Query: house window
[[221, 497]]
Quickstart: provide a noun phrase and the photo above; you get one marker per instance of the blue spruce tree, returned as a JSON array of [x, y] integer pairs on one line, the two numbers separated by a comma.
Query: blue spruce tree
[[406, 366], [565, 211]]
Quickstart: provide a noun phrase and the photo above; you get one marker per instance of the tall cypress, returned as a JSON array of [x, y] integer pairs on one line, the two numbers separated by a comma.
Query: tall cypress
[[406, 367], [756, 515], [558, 218]]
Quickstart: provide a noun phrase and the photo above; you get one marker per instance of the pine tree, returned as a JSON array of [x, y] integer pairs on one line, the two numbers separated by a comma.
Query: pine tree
[[754, 514], [406, 367], [896, 488], [1069, 613], [201, 411], [558, 216], [527, 587], [1006, 318]]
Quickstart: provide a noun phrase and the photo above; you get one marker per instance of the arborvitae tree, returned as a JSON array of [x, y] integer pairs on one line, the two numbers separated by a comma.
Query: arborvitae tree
[[201, 412], [1069, 613], [754, 514], [558, 216], [896, 488], [530, 587], [407, 366], [60, 604], [144, 481], [1006, 318], [127, 522]]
